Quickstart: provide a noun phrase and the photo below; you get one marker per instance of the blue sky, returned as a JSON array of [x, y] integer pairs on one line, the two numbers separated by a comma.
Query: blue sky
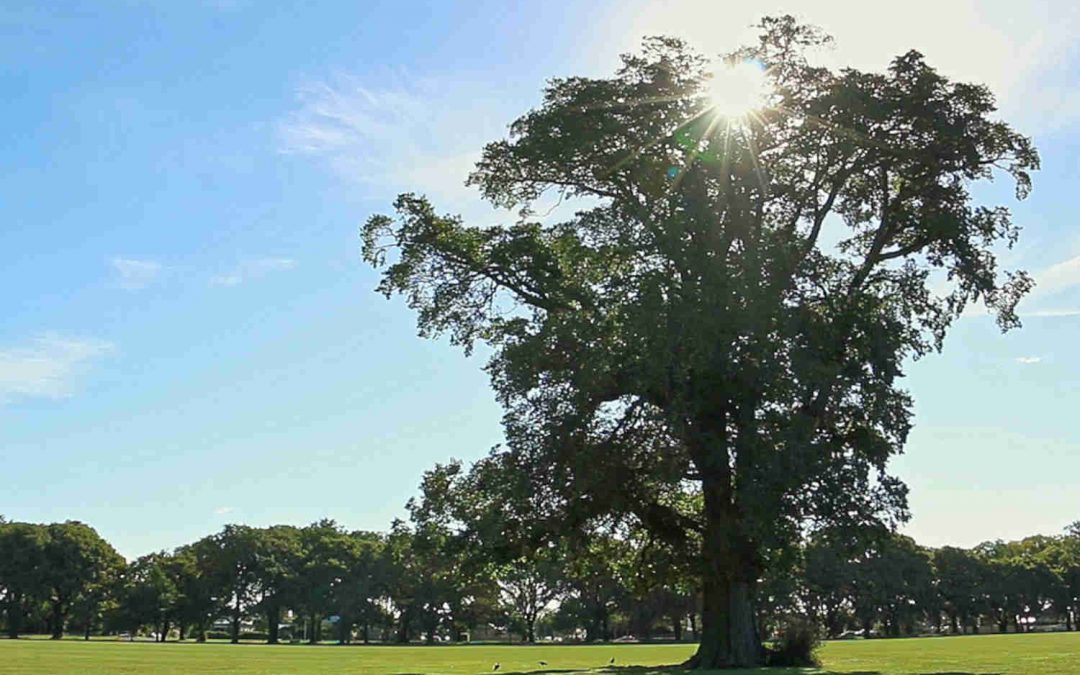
[[189, 337]]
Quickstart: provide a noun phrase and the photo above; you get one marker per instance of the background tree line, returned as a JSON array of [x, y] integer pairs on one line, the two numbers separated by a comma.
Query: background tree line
[[464, 566]]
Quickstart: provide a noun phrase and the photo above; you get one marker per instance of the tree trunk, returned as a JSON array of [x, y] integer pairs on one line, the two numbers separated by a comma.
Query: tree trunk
[[345, 629], [676, 627], [235, 628], [180, 631], [693, 626], [57, 621], [403, 628], [14, 615], [273, 618], [86, 632], [313, 636], [729, 633], [366, 631]]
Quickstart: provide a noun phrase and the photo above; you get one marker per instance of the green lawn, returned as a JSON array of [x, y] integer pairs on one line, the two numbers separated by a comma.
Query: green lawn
[[1041, 654]]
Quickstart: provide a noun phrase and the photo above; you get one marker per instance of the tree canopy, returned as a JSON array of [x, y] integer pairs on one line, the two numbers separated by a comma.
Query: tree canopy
[[713, 344]]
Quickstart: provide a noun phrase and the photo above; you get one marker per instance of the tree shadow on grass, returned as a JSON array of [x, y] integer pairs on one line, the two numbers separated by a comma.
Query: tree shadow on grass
[[678, 670]]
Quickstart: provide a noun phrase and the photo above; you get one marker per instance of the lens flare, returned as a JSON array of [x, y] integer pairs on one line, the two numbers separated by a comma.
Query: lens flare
[[737, 90]]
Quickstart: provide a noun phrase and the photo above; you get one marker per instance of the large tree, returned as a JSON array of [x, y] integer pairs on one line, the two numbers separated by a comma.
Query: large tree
[[729, 313]]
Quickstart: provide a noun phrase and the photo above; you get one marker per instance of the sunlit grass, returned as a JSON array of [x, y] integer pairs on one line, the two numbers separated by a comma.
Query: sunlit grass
[[1040, 654]]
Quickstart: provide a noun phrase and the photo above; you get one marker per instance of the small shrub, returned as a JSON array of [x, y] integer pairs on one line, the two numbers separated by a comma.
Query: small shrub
[[796, 644]]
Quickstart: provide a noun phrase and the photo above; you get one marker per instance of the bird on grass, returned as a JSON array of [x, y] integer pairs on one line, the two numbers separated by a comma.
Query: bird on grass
[[496, 667], [543, 663], [612, 661]]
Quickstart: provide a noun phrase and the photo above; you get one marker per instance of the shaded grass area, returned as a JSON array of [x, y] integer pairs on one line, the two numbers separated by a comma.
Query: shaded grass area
[[1040, 654]]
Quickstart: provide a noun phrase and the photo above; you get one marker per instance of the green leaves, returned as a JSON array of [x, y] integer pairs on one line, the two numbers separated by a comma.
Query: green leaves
[[690, 322]]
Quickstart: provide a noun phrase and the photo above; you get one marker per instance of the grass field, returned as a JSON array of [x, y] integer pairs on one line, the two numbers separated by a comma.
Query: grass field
[[1039, 654]]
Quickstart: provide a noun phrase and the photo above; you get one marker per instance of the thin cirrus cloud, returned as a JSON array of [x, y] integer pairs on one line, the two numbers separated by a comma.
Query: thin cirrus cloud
[[1028, 360], [47, 367], [1058, 276], [410, 136], [252, 269], [134, 273], [1054, 279]]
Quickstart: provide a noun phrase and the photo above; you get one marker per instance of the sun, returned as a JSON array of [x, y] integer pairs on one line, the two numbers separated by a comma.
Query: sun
[[737, 90]]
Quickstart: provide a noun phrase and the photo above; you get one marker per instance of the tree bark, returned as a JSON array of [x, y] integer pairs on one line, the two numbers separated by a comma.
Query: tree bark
[[235, 628], [729, 633], [530, 631], [14, 615], [57, 621], [273, 618], [313, 636], [403, 626]]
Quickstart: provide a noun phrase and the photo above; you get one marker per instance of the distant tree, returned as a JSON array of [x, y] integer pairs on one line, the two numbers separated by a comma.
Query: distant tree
[[201, 585], [355, 595], [961, 577], [529, 586], [402, 581], [150, 596], [326, 556], [892, 581], [76, 561], [827, 577], [232, 566], [278, 559], [22, 563], [1066, 560], [594, 586], [690, 325]]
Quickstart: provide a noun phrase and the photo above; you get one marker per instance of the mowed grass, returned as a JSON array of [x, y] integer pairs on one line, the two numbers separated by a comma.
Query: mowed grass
[[1039, 654]]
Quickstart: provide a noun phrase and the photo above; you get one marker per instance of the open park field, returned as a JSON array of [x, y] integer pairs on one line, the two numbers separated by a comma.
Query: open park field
[[1039, 654]]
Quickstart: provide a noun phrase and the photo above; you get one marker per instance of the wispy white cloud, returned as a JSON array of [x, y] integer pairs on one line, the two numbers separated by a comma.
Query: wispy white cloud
[[1051, 281], [411, 136], [47, 367], [1058, 277], [1028, 360], [252, 269], [134, 273], [1052, 313], [222, 510]]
